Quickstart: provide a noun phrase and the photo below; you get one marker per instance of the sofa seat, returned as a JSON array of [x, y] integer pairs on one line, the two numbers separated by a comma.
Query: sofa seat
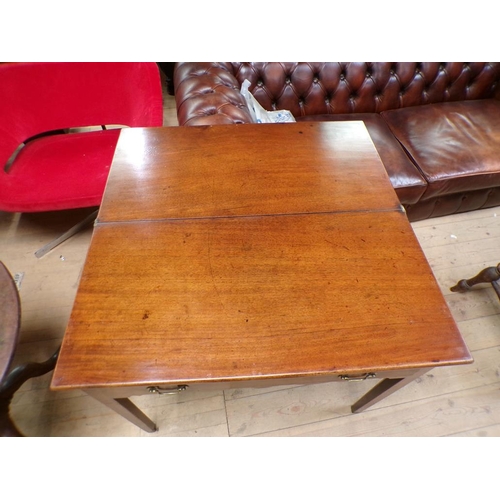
[[406, 179], [456, 147]]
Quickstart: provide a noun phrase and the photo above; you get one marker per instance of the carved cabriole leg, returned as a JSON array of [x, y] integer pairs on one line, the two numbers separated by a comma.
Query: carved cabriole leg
[[7, 426], [383, 389], [488, 275], [125, 408]]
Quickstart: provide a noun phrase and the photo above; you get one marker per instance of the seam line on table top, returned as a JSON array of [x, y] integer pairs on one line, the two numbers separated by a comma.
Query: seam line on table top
[[248, 216]]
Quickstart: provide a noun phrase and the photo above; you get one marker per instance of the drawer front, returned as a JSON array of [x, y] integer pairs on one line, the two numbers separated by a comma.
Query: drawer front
[[171, 389]]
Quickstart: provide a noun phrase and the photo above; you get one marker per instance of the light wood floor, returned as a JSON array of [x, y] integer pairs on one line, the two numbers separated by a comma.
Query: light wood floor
[[457, 401]]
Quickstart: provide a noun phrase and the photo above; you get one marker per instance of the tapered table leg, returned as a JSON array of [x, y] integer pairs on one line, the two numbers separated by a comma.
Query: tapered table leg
[[382, 390], [125, 408]]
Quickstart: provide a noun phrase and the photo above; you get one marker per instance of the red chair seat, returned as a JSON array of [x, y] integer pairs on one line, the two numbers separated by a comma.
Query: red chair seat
[[71, 169]]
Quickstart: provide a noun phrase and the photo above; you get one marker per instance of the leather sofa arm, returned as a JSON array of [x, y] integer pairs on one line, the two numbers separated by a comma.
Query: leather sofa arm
[[208, 94]]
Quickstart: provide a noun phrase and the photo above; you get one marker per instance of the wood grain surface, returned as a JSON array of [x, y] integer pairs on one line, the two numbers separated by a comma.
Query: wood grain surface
[[252, 297], [179, 172]]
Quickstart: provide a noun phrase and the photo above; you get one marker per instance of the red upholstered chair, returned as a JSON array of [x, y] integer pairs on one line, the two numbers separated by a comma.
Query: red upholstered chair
[[44, 163]]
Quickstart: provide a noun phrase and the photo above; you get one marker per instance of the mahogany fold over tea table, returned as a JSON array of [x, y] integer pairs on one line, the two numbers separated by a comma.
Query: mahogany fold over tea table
[[252, 255]]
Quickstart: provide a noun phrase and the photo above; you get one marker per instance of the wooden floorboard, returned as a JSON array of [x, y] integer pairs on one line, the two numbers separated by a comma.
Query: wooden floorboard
[[451, 401]]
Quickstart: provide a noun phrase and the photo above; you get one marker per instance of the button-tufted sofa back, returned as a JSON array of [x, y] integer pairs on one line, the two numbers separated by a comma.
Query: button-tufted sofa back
[[316, 88]]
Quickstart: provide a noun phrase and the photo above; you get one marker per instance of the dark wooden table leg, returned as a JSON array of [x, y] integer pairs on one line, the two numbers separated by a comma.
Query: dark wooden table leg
[[488, 275], [12, 382], [496, 287], [384, 389]]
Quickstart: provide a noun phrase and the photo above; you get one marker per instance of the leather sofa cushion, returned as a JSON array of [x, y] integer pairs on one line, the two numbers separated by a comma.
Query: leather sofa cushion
[[456, 145], [405, 177]]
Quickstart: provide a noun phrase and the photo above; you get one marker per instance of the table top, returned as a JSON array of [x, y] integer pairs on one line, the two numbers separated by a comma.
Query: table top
[[250, 252], [242, 170]]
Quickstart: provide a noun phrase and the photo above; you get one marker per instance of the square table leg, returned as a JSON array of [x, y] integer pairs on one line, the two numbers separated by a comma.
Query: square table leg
[[125, 408], [382, 390]]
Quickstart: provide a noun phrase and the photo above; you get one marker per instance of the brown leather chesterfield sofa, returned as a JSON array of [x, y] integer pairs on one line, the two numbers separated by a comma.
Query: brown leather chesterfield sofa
[[436, 126]]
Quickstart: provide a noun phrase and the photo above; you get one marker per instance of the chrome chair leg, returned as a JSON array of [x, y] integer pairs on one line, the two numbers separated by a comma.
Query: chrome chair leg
[[72, 231]]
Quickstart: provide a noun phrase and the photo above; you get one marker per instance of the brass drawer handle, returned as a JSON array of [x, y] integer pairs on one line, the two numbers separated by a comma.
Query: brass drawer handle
[[167, 390], [357, 379]]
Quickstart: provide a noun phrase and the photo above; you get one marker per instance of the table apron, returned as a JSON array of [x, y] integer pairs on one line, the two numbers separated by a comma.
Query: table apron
[[172, 388], [117, 398]]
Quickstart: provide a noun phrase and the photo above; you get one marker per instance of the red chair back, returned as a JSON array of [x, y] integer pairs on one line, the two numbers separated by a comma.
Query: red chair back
[[40, 97], [36, 98]]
